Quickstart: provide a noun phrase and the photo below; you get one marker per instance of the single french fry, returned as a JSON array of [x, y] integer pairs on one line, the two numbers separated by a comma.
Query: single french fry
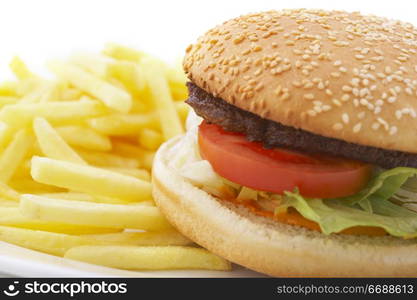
[[19, 68], [85, 197], [89, 179], [143, 217], [11, 216], [21, 115], [52, 144], [122, 124], [161, 95], [149, 258], [84, 137], [14, 154], [111, 96], [150, 139], [47, 242], [121, 52], [103, 159], [159, 238]]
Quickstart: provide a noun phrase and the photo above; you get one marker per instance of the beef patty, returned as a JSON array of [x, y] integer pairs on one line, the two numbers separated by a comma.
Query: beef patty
[[272, 134]]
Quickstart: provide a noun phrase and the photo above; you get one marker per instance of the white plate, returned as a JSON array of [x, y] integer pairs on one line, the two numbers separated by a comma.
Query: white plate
[[18, 261]]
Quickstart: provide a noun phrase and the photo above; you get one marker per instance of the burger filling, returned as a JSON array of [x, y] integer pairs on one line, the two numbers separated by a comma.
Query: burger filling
[[249, 162]]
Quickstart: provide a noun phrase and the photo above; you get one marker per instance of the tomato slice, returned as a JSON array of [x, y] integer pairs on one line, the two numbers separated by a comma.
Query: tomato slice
[[277, 170]]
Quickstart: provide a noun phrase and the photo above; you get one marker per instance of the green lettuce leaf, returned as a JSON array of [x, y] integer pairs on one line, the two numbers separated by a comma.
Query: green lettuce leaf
[[382, 187], [335, 216]]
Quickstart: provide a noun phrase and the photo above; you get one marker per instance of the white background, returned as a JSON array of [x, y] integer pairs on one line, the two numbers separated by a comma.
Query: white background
[[42, 29]]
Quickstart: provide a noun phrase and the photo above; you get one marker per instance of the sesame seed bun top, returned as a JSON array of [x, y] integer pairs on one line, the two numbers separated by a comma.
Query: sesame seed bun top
[[333, 73]]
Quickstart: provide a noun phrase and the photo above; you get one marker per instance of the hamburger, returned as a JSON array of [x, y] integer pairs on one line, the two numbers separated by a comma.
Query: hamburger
[[301, 151]]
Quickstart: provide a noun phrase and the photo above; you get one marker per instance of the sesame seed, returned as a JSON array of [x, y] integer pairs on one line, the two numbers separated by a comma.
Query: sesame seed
[[393, 130], [346, 88], [375, 126], [409, 91], [392, 99], [285, 96], [297, 83], [357, 127], [361, 115], [337, 63], [326, 107], [363, 101], [337, 102], [309, 96], [278, 90], [355, 82], [345, 118], [355, 102], [337, 126], [398, 114], [379, 102], [318, 109], [312, 113], [383, 123], [345, 97]]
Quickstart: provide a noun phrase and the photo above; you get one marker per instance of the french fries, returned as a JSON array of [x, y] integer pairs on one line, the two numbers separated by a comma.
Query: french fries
[[168, 117], [112, 96], [44, 241], [149, 258], [21, 115], [11, 216], [52, 144], [14, 154], [161, 238], [76, 155], [93, 214], [88, 179], [20, 69]]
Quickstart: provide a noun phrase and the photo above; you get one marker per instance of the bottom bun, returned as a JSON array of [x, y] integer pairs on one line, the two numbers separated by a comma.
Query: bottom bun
[[270, 247]]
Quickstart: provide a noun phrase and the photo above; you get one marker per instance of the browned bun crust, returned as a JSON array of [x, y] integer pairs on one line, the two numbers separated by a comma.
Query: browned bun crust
[[337, 74], [270, 247]]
